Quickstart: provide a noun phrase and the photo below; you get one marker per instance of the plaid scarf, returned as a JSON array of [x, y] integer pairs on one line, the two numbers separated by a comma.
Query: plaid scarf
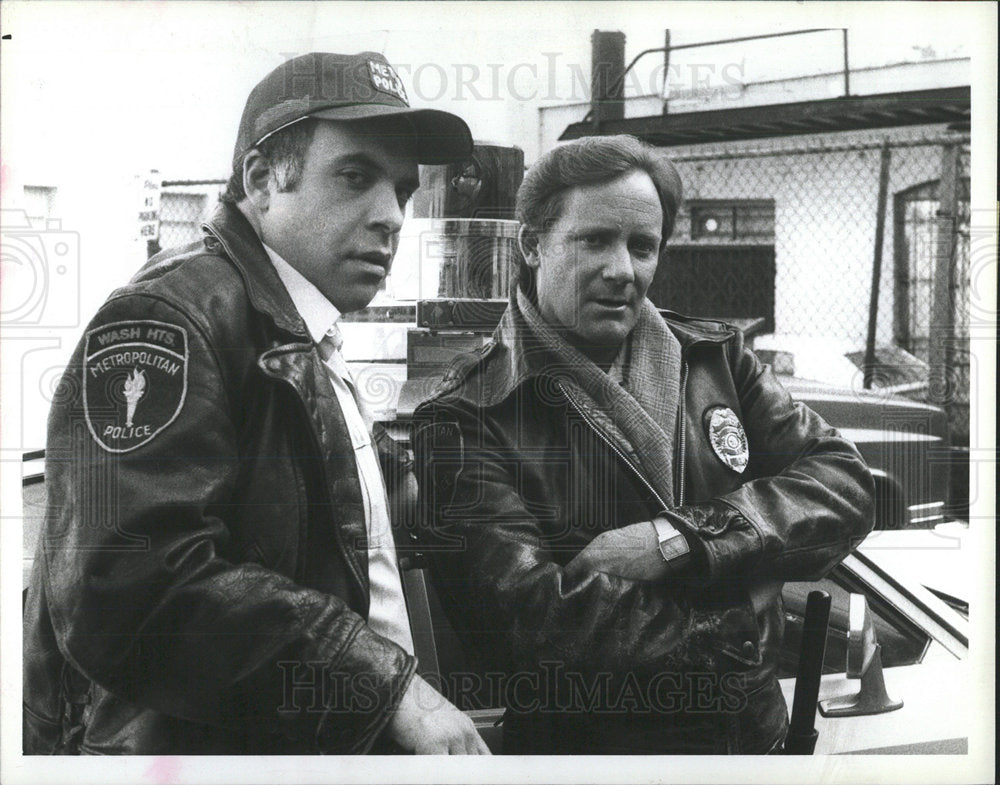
[[642, 408]]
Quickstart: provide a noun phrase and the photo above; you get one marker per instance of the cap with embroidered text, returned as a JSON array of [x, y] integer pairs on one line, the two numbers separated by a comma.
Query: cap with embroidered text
[[346, 87]]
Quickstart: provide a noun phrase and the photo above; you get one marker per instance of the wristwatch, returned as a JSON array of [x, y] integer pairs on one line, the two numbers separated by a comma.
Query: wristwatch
[[673, 545]]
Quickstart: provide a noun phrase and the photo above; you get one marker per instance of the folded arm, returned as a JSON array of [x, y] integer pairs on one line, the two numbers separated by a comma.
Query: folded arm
[[810, 502], [501, 578], [811, 497]]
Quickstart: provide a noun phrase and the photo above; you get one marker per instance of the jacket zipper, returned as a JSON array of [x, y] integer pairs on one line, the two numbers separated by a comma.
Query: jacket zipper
[[314, 437], [683, 437], [304, 538], [607, 440]]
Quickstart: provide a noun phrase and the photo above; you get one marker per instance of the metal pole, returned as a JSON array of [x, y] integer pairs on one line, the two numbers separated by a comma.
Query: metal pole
[[666, 71], [941, 320], [883, 191], [847, 68], [802, 734]]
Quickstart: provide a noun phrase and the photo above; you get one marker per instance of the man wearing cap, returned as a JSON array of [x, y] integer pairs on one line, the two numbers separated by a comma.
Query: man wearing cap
[[217, 572]]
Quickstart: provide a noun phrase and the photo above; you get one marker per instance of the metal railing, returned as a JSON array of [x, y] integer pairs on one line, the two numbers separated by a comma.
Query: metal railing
[[617, 84]]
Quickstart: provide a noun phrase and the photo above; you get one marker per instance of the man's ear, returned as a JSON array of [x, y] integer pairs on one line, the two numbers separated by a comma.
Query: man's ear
[[527, 241], [257, 180]]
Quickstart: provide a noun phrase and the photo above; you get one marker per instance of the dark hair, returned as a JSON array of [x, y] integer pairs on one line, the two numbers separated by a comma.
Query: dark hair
[[285, 151], [592, 159]]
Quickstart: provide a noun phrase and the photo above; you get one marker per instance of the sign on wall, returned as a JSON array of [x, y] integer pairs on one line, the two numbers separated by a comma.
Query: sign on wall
[[150, 186]]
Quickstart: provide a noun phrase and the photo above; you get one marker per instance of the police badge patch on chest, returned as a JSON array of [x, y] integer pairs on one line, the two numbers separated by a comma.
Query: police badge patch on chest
[[727, 437], [134, 381]]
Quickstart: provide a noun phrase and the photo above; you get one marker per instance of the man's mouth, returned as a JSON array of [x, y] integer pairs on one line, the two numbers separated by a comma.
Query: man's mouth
[[614, 303], [380, 258]]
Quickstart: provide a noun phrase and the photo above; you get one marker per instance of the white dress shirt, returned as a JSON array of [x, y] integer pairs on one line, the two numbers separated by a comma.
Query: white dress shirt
[[387, 609]]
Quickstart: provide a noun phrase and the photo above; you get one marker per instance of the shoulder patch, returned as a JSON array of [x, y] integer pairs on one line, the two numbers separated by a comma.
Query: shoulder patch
[[134, 381]]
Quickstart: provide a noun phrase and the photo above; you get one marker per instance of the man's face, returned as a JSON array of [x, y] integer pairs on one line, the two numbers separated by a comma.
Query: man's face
[[340, 225], [594, 265]]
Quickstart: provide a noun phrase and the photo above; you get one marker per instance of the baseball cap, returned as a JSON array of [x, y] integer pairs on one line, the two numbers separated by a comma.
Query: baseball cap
[[346, 87]]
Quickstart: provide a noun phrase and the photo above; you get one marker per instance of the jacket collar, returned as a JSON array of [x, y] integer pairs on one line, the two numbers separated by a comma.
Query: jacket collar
[[298, 364], [691, 330], [237, 238], [516, 355], [319, 314]]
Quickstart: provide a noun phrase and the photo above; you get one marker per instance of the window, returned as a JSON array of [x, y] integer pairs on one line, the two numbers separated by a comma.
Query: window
[[915, 214], [915, 250], [745, 220], [720, 262], [732, 281], [902, 642]]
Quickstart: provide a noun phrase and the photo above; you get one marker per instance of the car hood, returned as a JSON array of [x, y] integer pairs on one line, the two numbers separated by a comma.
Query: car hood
[[938, 559]]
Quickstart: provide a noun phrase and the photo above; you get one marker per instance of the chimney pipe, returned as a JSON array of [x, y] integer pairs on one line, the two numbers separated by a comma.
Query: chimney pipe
[[607, 87]]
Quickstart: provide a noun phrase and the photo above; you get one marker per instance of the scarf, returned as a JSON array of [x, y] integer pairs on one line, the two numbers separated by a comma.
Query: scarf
[[641, 411]]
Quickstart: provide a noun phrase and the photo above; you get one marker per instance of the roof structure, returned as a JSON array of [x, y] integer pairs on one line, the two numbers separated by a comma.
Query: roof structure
[[848, 113]]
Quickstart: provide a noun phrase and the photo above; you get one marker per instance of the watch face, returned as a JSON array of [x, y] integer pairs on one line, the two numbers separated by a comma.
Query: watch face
[[674, 547]]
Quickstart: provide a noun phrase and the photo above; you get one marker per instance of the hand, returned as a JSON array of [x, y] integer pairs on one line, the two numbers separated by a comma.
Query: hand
[[631, 552], [429, 724], [403, 501]]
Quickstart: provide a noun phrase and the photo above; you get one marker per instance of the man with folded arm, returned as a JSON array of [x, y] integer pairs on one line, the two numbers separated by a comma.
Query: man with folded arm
[[613, 497]]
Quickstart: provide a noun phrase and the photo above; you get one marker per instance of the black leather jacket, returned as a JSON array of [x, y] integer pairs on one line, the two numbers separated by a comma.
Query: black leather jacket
[[206, 591], [518, 474]]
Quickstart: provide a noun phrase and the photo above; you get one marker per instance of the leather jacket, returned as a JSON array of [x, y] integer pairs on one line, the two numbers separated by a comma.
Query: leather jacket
[[205, 590], [518, 473]]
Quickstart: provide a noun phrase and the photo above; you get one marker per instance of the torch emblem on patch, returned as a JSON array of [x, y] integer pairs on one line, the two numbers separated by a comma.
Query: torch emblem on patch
[[135, 388], [131, 364], [728, 439]]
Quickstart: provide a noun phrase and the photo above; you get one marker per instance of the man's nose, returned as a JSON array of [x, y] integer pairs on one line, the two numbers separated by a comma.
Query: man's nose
[[385, 212], [618, 265]]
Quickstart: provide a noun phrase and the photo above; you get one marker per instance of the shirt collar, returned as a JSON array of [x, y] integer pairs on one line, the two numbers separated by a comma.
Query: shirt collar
[[316, 311]]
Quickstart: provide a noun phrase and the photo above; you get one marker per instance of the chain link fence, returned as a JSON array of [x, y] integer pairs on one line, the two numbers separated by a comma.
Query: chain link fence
[[784, 230], [184, 206], [787, 230]]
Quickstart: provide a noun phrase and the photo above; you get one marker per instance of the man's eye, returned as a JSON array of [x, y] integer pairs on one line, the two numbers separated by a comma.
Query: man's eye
[[643, 248], [355, 177], [594, 240]]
